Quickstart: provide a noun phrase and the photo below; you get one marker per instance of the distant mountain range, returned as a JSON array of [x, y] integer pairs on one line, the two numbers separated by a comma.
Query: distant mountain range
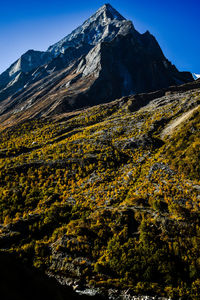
[[104, 59]]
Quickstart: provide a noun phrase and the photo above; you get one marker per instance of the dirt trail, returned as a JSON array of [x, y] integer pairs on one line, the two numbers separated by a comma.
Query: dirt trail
[[175, 123]]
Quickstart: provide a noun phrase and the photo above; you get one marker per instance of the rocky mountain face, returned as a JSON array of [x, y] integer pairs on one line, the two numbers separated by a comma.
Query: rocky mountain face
[[104, 59], [104, 25], [25, 64]]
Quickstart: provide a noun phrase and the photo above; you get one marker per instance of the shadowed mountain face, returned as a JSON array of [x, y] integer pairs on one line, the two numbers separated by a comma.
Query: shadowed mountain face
[[20, 282], [104, 59]]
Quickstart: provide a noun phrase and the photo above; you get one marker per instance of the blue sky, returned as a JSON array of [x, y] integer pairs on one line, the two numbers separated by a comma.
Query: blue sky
[[38, 24]]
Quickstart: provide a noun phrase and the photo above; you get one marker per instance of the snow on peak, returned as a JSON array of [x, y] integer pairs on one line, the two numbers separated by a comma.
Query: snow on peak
[[196, 76]]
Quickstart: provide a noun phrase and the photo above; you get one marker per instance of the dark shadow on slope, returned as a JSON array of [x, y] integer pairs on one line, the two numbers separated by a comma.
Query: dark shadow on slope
[[20, 282]]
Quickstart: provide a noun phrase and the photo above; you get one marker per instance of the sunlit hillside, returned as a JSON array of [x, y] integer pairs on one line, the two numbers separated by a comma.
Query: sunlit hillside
[[108, 195]]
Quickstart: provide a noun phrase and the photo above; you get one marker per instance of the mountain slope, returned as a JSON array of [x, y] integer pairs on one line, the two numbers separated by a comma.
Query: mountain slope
[[104, 59], [100, 198]]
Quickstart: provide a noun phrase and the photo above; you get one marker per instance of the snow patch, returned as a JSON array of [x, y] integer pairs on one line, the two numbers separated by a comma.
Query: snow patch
[[14, 80], [196, 76], [16, 68], [51, 71]]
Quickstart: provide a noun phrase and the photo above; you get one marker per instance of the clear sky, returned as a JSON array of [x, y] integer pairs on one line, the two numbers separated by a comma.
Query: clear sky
[[37, 24]]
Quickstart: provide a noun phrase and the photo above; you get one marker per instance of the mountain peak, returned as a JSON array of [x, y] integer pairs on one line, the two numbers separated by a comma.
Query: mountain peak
[[105, 50], [103, 25], [111, 12]]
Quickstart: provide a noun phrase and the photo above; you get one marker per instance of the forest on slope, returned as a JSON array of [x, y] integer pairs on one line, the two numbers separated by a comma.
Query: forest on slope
[[108, 197]]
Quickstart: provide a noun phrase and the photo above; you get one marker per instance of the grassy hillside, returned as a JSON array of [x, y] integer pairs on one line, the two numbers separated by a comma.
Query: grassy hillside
[[109, 196]]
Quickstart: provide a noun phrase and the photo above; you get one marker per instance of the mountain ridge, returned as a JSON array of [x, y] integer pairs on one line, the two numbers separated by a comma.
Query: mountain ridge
[[103, 59]]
